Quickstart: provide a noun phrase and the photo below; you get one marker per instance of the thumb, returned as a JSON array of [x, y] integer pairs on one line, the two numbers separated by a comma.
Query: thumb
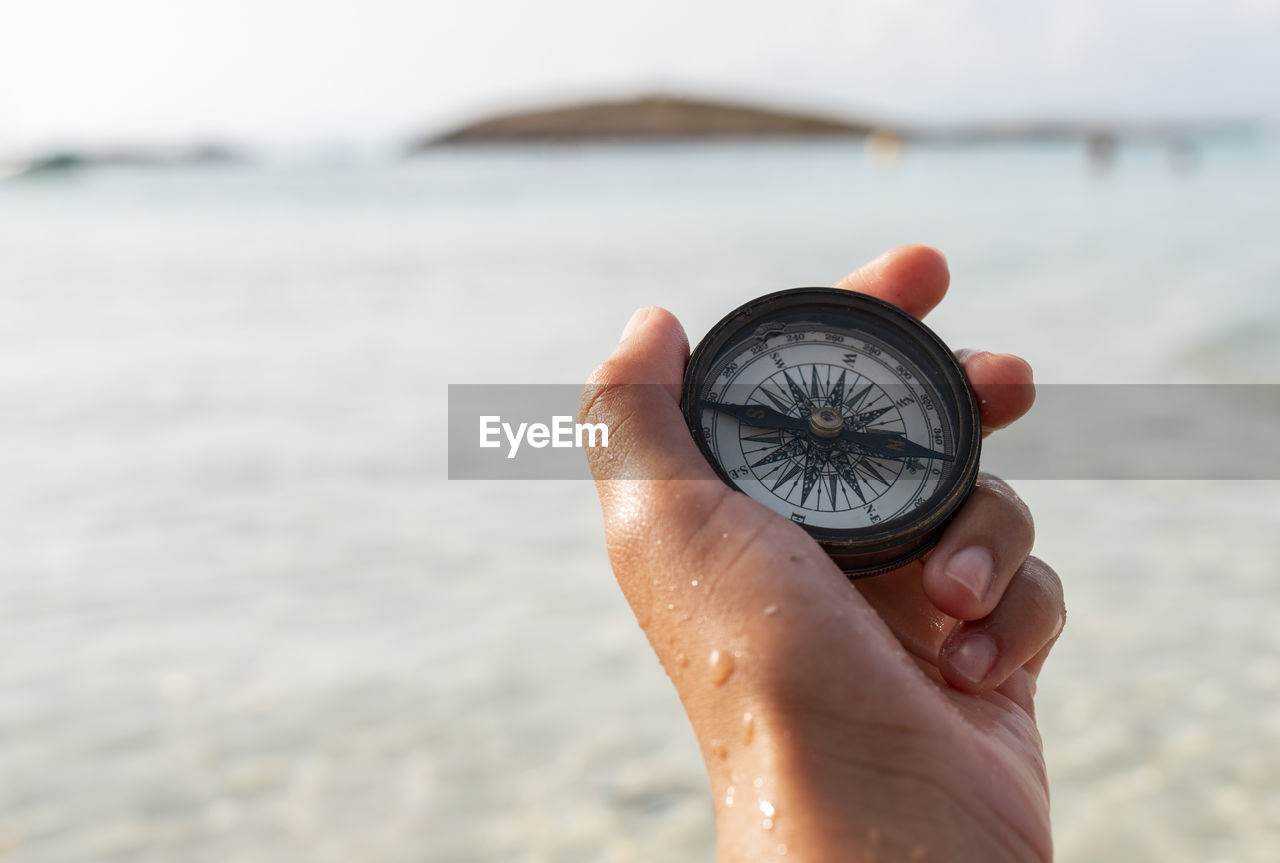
[[656, 490], [636, 394]]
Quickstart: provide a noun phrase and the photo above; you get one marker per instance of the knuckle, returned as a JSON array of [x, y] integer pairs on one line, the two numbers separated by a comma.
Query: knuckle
[[1001, 491], [601, 399], [1045, 590]]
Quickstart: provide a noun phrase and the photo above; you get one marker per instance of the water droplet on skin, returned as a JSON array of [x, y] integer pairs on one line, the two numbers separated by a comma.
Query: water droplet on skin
[[766, 807], [721, 666], [770, 610], [671, 606], [724, 536], [694, 583], [767, 824], [758, 782], [748, 728], [782, 848], [728, 797], [658, 542]]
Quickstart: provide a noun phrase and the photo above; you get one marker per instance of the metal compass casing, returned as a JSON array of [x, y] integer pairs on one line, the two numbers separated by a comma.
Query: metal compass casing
[[841, 412]]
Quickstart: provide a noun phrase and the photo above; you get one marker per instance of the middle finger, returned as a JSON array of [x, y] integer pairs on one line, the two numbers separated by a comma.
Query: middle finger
[[982, 548]]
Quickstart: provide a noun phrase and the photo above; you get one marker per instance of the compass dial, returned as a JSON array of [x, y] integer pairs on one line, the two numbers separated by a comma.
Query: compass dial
[[842, 413]]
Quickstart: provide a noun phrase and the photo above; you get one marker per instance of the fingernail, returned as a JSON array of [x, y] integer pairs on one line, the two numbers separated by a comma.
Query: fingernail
[[636, 319], [974, 657], [972, 568]]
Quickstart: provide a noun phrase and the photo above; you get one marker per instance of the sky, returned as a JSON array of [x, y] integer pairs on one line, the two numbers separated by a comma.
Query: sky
[[379, 72]]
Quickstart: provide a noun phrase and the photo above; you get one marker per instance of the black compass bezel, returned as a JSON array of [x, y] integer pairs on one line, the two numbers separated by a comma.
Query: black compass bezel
[[866, 550]]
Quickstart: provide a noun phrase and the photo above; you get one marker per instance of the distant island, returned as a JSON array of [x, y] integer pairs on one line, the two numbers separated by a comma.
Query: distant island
[[62, 162], [659, 117], [649, 117]]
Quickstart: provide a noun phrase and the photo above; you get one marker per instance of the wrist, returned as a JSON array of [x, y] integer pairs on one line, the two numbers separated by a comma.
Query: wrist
[[801, 793], [781, 799]]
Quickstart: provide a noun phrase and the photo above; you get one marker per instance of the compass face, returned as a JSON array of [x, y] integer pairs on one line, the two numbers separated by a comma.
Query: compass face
[[842, 413]]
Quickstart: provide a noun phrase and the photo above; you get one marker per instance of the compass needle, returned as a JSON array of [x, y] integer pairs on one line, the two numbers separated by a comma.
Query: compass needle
[[855, 457], [892, 445], [759, 416]]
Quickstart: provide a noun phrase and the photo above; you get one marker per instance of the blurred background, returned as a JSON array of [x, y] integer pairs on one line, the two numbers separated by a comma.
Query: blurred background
[[245, 247]]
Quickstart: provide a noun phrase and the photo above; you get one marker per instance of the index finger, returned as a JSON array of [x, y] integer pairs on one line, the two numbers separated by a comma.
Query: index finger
[[913, 278]]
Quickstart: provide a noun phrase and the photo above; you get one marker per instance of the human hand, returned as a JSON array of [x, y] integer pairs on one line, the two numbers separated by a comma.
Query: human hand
[[889, 718]]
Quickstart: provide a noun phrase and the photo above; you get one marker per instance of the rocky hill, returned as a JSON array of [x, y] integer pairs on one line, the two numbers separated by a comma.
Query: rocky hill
[[648, 117]]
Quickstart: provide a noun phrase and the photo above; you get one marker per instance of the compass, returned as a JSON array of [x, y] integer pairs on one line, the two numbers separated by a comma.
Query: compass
[[840, 412]]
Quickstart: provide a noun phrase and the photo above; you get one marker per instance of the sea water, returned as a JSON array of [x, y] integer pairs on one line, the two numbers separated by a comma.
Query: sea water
[[244, 615]]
